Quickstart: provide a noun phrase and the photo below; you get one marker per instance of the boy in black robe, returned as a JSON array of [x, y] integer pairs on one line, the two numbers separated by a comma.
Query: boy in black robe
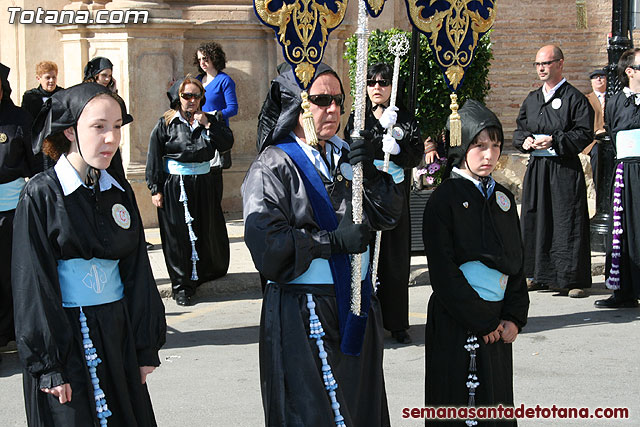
[[472, 241], [555, 124]]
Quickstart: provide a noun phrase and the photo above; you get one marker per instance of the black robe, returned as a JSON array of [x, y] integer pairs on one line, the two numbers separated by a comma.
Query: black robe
[[394, 262], [459, 226], [16, 161], [127, 334], [283, 238], [622, 114], [176, 141], [555, 216], [32, 101]]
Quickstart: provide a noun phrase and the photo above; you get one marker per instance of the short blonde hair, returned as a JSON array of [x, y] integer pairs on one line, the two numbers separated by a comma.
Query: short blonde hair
[[43, 67]]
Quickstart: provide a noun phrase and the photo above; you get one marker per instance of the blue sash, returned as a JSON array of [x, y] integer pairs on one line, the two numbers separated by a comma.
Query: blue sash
[[396, 172], [86, 282], [489, 283], [352, 327], [175, 167], [10, 193]]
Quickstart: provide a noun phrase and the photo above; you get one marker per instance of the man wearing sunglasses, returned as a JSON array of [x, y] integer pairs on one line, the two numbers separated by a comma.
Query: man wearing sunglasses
[[299, 230], [623, 250], [554, 125]]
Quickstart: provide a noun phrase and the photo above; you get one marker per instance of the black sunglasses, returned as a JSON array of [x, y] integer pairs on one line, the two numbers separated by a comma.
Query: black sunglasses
[[326, 100], [634, 67], [188, 96], [545, 63], [381, 82]]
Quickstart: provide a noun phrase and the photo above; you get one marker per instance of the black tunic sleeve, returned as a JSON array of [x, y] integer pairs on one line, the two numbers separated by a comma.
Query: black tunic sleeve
[[220, 134], [578, 132], [447, 280], [43, 334], [155, 174], [279, 228], [143, 300], [522, 132], [382, 201]]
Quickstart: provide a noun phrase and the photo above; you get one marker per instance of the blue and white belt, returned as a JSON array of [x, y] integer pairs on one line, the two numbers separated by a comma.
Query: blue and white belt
[[175, 167], [543, 152], [319, 272], [10, 193], [88, 282], [628, 144], [394, 170], [489, 283]]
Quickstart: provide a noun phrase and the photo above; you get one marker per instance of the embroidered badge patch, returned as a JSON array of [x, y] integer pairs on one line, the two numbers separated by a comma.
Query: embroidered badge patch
[[503, 281], [465, 204], [121, 216], [503, 201], [397, 133], [346, 170], [556, 103], [3, 137]]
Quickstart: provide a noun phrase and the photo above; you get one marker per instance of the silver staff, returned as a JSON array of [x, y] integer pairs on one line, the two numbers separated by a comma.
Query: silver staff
[[362, 33], [399, 46]]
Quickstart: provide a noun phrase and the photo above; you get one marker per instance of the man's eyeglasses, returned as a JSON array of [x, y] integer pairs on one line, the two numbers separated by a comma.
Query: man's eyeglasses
[[545, 63], [189, 96], [381, 82], [600, 77], [326, 100]]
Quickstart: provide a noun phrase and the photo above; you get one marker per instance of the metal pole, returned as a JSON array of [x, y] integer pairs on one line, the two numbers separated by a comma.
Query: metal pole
[[413, 66], [617, 44]]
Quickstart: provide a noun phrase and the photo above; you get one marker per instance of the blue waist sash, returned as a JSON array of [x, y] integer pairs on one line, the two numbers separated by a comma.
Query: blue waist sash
[[394, 170], [319, 272], [490, 284], [543, 152], [175, 167], [352, 326], [10, 193], [628, 144], [86, 282]]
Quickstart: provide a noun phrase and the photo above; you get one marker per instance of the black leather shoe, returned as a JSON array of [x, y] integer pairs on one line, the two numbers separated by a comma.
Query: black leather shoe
[[182, 299], [402, 337], [536, 286], [613, 302]]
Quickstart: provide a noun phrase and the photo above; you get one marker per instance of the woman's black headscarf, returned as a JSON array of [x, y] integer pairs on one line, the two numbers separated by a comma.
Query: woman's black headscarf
[[281, 109], [96, 65]]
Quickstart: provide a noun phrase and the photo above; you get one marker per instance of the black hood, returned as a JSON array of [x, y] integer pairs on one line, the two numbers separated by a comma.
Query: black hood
[[474, 117], [62, 110], [96, 65], [283, 106]]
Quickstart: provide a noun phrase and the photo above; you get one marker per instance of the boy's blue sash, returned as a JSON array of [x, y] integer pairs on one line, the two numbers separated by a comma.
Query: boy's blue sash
[[352, 327]]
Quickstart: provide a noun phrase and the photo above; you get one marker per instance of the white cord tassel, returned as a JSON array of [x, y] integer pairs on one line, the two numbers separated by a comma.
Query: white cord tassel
[[188, 219]]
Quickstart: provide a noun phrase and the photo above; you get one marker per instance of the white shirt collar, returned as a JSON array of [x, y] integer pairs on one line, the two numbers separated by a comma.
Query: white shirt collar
[[333, 148], [183, 120], [549, 94], [70, 180]]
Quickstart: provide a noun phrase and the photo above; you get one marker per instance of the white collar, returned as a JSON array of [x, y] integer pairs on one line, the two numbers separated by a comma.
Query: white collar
[[629, 93], [70, 180], [549, 94], [183, 120], [598, 94], [465, 174], [334, 148]]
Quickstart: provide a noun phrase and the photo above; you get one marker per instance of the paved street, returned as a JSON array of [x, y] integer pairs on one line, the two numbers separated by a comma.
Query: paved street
[[570, 354]]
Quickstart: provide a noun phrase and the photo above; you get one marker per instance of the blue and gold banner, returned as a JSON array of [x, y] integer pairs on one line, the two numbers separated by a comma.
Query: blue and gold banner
[[453, 28], [302, 28]]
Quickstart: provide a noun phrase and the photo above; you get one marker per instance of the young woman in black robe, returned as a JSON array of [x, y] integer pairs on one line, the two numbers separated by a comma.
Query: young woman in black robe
[[405, 147], [89, 318], [472, 240], [192, 226]]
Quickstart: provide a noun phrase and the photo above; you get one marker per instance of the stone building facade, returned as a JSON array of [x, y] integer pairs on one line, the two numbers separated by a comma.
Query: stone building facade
[[148, 57]]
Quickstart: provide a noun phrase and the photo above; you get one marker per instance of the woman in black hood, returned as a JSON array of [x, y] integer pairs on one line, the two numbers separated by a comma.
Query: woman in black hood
[[479, 304], [192, 225]]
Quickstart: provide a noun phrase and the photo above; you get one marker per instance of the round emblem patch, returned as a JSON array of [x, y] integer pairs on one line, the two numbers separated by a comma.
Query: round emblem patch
[[503, 201], [556, 103], [504, 279], [346, 170], [121, 216], [397, 133], [3, 137]]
